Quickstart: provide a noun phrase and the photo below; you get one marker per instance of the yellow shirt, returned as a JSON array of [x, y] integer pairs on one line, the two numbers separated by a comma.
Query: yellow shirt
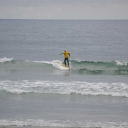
[[65, 54]]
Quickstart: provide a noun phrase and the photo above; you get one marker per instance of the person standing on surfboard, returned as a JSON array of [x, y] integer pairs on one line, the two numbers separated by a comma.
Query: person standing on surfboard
[[66, 56]]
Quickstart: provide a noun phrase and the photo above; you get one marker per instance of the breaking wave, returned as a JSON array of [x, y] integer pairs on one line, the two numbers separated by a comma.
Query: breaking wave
[[77, 67], [67, 88], [59, 123]]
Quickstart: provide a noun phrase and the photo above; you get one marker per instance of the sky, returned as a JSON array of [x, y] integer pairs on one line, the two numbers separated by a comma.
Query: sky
[[64, 9]]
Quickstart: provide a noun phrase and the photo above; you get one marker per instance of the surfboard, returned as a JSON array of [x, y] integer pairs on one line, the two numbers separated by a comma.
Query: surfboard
[[60, 65], [63, 65]]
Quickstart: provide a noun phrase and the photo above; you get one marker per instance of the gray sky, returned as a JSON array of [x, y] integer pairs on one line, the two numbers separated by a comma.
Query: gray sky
[[64, 9]]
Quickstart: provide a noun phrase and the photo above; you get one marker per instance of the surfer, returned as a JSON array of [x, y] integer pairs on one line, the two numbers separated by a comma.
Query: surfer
[[66, 56]]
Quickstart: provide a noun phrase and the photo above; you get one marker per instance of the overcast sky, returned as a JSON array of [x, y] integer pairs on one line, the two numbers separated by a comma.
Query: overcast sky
[[64, 9]]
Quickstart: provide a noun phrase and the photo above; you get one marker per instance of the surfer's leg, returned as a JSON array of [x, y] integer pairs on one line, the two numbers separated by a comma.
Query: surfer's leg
[[65, 61], [68, 61]]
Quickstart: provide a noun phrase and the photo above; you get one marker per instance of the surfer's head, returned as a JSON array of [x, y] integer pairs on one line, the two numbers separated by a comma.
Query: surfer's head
[[64, 50]]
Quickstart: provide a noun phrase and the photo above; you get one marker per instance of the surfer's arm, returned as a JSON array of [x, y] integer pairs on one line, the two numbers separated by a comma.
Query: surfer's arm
[[69, 54], [61, 53]]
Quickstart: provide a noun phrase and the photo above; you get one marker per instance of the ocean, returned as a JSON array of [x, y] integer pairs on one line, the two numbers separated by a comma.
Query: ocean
[[35, 91]]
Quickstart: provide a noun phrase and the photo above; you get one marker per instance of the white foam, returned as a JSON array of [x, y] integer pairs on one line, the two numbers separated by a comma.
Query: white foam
[[55, 63], [58, 64], [59, 123], [59, 87], [3, 60], [121, 63], [46, 62], [77, 60]]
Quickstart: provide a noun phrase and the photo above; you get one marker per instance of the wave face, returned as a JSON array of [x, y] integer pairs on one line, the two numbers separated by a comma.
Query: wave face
[[106, 68], [59, 124], [58, 87], [77, 67]]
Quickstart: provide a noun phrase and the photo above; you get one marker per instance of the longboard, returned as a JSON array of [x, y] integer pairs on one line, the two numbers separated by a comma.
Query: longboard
[[63, 65]]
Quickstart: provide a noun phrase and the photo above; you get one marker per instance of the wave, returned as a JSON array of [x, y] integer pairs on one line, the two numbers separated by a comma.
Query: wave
[[4, 60], [77, 67], [100, 67], [67, 88], [59, 123]]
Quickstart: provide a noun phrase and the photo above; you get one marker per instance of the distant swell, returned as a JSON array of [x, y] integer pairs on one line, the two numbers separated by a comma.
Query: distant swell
[[67, 88], [77, 67]]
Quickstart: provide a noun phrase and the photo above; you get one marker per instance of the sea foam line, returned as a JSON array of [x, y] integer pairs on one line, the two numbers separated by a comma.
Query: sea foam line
[[60, 87], [3, 60], [55, 63], [121, 63], [58, 123]]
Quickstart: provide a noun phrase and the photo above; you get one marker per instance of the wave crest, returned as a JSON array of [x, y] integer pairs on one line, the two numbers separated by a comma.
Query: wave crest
[[77, 67], [58, 87], [59, 123], [3, 60]]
